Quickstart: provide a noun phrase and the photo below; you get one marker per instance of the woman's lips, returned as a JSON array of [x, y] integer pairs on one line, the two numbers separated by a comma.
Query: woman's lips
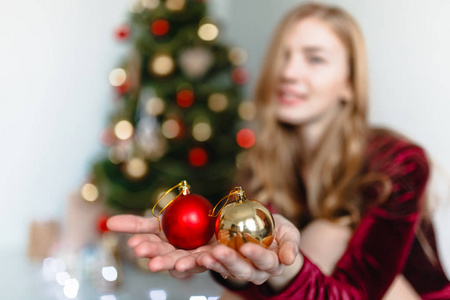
[[290, 98]]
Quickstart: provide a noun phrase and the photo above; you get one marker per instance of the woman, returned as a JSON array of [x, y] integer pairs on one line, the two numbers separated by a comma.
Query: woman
[[357, 194]]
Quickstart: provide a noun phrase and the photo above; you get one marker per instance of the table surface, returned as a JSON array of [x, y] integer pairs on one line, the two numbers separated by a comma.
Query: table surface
[[21, 279]]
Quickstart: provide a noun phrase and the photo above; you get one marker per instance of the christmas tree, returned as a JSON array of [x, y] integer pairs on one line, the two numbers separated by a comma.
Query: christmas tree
[[178, 114]]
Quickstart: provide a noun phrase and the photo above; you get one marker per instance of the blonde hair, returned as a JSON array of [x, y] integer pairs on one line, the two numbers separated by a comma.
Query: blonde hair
[[274, 165]]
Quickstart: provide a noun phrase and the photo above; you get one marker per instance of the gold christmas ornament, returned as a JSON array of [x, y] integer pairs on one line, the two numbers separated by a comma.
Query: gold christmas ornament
[[195, 62], [244, 221]]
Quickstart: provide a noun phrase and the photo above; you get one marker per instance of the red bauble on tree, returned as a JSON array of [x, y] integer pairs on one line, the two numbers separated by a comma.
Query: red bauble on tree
[[186, 222], [160, 27], [122, 32]]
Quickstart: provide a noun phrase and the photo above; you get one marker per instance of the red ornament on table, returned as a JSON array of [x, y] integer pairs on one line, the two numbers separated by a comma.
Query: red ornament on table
[[101, 224], [185, 221]]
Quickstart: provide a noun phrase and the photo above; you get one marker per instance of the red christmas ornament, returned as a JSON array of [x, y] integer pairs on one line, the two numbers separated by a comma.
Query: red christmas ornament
[[185, 98], [245, 138], [240, 75], [198, 157], [101, 224], [186, 222], [122, 32], [160, 27], [125, 87]]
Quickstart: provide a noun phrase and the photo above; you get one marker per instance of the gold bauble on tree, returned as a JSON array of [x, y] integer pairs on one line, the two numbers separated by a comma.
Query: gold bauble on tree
[[244, 221]]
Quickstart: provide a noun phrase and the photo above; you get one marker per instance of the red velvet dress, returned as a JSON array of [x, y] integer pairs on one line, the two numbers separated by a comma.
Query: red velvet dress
[[385, 242]]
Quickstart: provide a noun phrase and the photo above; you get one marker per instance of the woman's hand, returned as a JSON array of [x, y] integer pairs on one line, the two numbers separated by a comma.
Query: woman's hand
[[149, 242], [253, 263]]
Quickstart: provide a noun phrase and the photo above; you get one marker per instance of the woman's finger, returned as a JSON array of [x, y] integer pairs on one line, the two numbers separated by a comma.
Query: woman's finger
[[140, 238], [133, 224], [166, 261], [152, 249], [262, 259]]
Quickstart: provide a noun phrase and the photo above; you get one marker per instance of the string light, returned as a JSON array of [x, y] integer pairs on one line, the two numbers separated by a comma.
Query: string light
[[185, 98], [123, 130], [117, 77], [160, 27], [89, 192], [154, 106], [201, 131], [162, 65], [117, 154], [245, 138], [175, 5], [247, 110], [217, 102], [198, 157], [136, 168], [208, 32], [150, 4], [237, 56], [170, 129]]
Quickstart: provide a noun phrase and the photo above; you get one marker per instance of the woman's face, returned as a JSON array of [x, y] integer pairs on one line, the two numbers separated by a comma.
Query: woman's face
[[314, 77]]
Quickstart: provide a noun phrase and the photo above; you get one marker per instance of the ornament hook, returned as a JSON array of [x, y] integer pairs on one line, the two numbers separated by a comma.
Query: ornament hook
[[239, 196], [184, 189]]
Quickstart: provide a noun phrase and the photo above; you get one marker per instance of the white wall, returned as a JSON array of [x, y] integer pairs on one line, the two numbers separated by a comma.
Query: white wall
[[55, 57], [409, 45]]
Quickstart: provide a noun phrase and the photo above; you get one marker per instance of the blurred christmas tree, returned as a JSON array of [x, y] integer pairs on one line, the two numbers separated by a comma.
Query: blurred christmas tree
[[179, 113]]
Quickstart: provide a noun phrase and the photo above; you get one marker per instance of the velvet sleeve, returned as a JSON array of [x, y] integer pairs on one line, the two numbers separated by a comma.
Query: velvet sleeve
[[379, 247]]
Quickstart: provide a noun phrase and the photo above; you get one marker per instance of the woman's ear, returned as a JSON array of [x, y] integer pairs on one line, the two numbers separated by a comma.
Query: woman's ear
[[347, 93]]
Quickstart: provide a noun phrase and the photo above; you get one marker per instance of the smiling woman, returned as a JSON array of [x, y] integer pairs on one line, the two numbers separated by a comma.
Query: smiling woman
[[356, 192]]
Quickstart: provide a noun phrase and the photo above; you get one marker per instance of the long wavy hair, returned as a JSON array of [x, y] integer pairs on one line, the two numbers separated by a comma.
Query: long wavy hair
[[333, 168]]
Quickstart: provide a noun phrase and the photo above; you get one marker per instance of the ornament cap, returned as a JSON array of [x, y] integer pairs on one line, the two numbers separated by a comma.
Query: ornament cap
[[239, 195], [184, 188]]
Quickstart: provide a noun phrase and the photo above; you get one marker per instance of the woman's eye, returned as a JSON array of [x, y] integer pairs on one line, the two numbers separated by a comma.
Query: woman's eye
[[316, 60]]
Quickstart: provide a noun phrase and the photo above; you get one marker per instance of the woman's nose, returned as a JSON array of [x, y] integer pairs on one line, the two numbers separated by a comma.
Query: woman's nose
[[292, 70]]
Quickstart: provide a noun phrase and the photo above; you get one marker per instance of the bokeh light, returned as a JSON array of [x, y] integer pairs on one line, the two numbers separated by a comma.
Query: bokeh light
[[198, 157], [201, 131], [208, 32], [247, 110], [136, 168], [217, 102], [109, 273], [162, 64], [170, 129], [237, 56], [245, 138], [123, 130], [185, 98], [154, 106], [175, 5], [89, 192], [117, 77]]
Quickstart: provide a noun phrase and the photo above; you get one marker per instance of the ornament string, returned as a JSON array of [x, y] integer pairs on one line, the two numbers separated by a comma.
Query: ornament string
[[184, 190], [213, 212]]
